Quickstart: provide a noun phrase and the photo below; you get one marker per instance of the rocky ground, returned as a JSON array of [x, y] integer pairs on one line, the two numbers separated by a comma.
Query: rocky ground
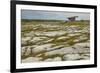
[[55, 41]]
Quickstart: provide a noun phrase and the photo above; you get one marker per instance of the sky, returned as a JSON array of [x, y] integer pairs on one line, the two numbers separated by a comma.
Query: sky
[[53, 15]]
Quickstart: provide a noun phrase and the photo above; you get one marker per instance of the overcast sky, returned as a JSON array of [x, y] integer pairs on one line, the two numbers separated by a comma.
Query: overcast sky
[[53, 15]]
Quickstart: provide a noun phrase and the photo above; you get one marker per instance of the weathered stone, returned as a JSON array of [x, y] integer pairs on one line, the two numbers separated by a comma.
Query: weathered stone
[[26, 39], [61, 51], [55, 33], [81, 45], [36, 39], [86, 57], [31, 59], [57, 59], [73, 34], [55, 48], [28, 51], [48, 60], [62, 37], [53, 59], [41, 48], [23, 50], [30, 34], [23, 42], [45, 39], [71, 57]]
